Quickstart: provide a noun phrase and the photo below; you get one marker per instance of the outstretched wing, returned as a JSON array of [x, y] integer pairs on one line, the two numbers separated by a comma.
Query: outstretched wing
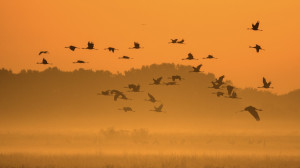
[[151, 97], [265, 81], [159, 79], [160, 107], [116, 97], [229, 89], [199, 66], [254, 114]]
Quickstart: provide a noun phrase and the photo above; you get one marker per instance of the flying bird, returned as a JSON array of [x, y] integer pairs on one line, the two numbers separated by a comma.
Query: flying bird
[[121, 95], [216, 85], [151, 98], [257, 47], [229, 89], [174, 77], [220, 94], [136, 45], [210, 57], [173, 41], [255, 27], [253, 111], [233, 95], [43, 52], [266, 84], [190, 57], [157, 81], [90, 46], [159, 108], [71, 47], [220, 79], [126, 109], [197, 69], [43, 62], [134, 88], [181, 41], [111, 49], [80, 62], [125, 57]]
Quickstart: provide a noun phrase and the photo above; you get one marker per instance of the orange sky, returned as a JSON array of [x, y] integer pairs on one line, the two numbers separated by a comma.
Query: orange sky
[[209, 27]]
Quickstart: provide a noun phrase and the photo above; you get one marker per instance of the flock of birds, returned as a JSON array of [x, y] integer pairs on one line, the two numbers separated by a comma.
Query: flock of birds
[[218, 84]]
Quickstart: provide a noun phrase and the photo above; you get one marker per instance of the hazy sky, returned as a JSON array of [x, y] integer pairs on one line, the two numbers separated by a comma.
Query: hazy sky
[[214, 27]]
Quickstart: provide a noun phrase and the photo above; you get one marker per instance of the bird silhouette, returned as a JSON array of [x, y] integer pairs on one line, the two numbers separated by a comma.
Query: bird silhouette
[[121, 95], [43, 52], [216, 85], [257, 47], [157, 81], [190, 57], [255, 27], [126, 109], [80, 62], [136, 45], [158, 109], [210, 57], [233, 95], [229, 89], [111, 49], [125, 57], [253, 111], [106, 93], [134, 88], [266, 84], [197, 69], [220, 79], [71, 47], [173, 41], [151, 98], [181, 41], [44, 61], [90, 46], [176, 77]]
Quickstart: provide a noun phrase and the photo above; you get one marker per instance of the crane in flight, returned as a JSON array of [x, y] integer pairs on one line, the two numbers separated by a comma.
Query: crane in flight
[[266, 84], [151, 98], [125, 57], [229, 89], [111, 49], [197, 69], [158, 109], [219, 94], [126, 109], [190, 57], [255, 27], [80, 62], [44, 61], [71, 47], [157, 81], [43, 52], [134, 88], [210, 57], [173, 41], [170, 83], [220, 79], [136, 45], [176, 77], [257, 47], [216, 85], [90, 46], [120, 95], [253, 111]]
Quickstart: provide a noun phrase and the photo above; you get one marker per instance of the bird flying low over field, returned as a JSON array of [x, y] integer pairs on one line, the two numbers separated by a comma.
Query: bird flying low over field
[[72, 48], [257, 47], [90, 46], [44, 61], [266, 84], [253, 111], [190, 57]]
